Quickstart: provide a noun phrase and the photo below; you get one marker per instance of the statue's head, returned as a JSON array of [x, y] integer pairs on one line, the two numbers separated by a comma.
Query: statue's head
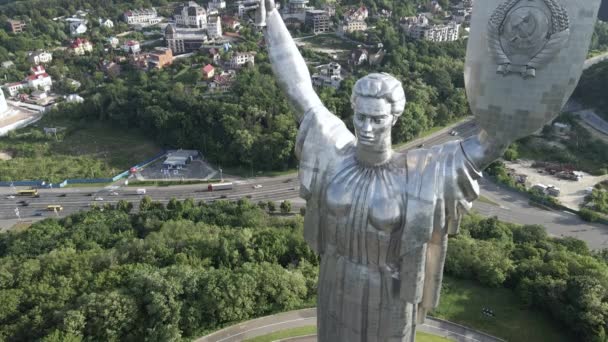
[[377, 100]]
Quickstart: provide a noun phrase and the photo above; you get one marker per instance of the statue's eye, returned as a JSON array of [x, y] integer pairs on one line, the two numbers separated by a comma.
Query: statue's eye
[[378, 120], [361, 117]]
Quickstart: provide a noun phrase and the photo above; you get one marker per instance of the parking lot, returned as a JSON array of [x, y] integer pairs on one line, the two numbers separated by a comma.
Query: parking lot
[[572, 193], [197, 169]]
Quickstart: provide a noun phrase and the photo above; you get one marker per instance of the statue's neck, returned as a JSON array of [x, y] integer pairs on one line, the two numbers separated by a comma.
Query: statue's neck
[[373, 156]]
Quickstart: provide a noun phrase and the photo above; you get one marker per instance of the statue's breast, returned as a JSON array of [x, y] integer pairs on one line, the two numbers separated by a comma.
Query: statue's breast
[[371, 195]]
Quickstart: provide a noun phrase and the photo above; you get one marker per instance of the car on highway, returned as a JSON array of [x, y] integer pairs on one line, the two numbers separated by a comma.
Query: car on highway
[[24, 204], [453, 133], [114, 193], [38, 213], [98, 198], [62, 195], [420, 146], [10, 197], [257, 186]]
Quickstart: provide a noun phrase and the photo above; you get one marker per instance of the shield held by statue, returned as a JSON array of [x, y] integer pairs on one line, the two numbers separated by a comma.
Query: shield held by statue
[[524, 59]]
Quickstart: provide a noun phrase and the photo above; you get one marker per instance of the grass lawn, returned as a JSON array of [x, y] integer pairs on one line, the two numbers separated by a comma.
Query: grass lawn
[[462, 302], [303, 331], [94, 151]]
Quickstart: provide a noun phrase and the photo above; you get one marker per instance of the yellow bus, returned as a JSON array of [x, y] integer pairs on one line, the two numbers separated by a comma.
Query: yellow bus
[[54, 207], [27, 192]]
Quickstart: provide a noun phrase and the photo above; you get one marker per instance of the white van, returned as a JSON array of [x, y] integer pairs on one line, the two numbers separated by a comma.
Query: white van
[[141, 191]]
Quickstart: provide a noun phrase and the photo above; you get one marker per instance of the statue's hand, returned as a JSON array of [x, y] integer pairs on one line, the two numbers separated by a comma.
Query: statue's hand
[[506, 127], [262, 9]]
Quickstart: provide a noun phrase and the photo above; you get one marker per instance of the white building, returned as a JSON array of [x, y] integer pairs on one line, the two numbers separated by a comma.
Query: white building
[[418, 27], [78, 27], [216, 5], [113, 41], [239, 59], [39, 79], [39, 57], [349, 26], [14, 88], [144, 16], [106, 23], [328, 75], [131, 46], [214, 27], [80, 46], [190, 14], [74, 98]]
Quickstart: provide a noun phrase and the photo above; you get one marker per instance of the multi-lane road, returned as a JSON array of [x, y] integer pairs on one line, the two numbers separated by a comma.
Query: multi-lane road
[[512, 206]]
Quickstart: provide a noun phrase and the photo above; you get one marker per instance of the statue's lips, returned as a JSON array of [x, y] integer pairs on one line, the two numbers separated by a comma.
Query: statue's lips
[[364, 139]]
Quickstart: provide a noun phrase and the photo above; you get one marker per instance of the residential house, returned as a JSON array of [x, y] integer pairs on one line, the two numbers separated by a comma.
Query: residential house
[[39, 79], [208, 71], [131, 47], [80, 46], [7, 64], [230, 23], [74, 98], [349, 26], [147, 16], [39, 57], [78, 27], [215, 55], [357, 14], [358, 56], [184, 40], [38, 95], [106, 23], [328, 75], [15, 26], [160, 57], [214, 27], [14, 88], [113, 41], [222, 82], [239, 59], [190, 14]]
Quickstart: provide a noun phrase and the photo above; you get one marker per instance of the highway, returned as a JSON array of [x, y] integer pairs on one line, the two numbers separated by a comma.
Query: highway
[[512, 206]]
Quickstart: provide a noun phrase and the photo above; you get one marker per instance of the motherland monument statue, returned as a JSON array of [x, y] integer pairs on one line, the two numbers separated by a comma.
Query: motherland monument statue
[[380, 219]]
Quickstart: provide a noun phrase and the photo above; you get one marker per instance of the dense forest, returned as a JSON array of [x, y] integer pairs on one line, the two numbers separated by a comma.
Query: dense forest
[[177, 271], [591, 88]]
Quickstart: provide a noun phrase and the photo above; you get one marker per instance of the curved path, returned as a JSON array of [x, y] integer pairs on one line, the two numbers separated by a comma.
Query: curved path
[[308, 317]]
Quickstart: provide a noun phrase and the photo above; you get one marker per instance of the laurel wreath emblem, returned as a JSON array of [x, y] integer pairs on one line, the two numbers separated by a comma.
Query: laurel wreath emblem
[[556, 39]]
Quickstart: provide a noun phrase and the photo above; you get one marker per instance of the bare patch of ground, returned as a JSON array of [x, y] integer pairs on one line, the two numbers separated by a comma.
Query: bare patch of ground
[[5, 155], [572, 193]]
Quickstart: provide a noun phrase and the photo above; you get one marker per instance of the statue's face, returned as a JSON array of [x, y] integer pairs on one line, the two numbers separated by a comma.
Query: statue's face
[[373, 121]]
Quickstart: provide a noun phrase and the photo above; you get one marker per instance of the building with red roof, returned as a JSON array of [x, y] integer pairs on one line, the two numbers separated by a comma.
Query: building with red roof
[[208, 71], [80, 46]]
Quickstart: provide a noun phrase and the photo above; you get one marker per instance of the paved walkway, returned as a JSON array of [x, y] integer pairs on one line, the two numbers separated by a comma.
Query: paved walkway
[[308, 317]]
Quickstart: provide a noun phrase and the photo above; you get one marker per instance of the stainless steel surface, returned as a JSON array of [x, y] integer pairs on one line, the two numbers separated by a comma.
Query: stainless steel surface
[[380, 219]]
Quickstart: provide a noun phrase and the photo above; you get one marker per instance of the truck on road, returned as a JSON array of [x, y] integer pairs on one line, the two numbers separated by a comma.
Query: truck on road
[[219, 186]]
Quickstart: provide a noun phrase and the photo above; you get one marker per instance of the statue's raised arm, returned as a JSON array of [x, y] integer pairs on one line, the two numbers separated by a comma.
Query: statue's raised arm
[[287, 63]]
